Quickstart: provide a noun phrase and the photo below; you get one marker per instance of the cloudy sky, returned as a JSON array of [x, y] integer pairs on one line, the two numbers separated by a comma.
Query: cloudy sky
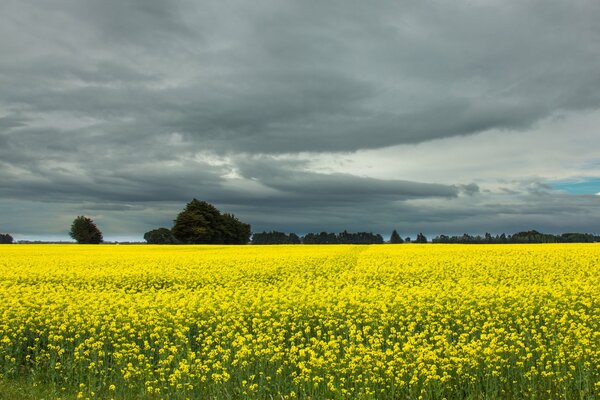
[[422, 116]]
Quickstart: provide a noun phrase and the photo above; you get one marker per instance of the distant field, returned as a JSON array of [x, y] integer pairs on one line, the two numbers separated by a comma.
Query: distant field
[[286, 322]]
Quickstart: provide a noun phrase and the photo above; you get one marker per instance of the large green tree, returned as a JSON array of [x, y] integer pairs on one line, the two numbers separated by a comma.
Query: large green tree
[[202, 223], [234, 231], [85, 231]]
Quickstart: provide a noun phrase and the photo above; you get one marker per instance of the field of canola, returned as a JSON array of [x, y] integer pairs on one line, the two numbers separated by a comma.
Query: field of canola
[[306, 322]]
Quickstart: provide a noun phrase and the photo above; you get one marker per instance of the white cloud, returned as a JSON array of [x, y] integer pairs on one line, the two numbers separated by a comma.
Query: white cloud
[[557, 148]]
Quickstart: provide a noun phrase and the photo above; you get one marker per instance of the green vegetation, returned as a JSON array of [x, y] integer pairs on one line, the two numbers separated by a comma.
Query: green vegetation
[[421, 238], [275, 237], [201, 223], [395, 238], [343, 238], [5, 238], [519, 237], [85, 231], [12, 389], [160, 236]]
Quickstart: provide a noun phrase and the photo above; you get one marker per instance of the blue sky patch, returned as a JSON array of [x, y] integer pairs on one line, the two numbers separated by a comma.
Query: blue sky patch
[[581, 186]]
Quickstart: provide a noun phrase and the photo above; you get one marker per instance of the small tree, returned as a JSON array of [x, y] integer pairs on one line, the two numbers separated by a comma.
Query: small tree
[[160, 236], [5, 238], [85, 231], [294, 239], [421, 238], [395, 238]]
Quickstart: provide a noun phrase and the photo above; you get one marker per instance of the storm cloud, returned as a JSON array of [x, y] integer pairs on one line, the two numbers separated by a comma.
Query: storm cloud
[[440, 117]]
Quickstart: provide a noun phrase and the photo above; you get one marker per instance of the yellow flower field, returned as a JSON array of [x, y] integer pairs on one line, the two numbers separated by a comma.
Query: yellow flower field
[[319, 322]]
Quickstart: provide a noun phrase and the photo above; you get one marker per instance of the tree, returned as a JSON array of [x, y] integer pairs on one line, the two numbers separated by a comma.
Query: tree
[[5, 238], [201, 223], [233, 231], [421, 238], [320, 238], [85, 231], [275, 237], [395, 238], [197, 223], [160, 236], [344, 237], [577, 238], [294, 239]]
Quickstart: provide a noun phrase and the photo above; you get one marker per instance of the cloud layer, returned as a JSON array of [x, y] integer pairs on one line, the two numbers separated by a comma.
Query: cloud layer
[[299, 116]]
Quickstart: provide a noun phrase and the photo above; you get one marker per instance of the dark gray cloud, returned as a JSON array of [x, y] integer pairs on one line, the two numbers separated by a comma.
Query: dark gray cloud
[[135, 106], [321, 76], [291, 183]]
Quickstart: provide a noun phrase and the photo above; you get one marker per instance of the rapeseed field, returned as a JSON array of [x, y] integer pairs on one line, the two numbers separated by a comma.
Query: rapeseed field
[[303, 322]]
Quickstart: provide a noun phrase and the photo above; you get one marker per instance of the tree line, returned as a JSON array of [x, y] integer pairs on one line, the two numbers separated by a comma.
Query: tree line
[[532, 236], [345, 237], [202, 223]]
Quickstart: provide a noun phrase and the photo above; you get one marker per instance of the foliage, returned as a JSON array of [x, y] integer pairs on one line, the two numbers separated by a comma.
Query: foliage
[[85, 231], [421, 238], [233, 231], [5, 238], [29, 389], [304, 322], [360, 238], [275, 237], [531, 236], [202, 223], [578, 238], [342, 238], [320, 238], [395, 238], [160, 236]]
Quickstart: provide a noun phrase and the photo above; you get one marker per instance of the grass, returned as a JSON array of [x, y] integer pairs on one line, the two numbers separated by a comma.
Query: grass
[[26, 390]]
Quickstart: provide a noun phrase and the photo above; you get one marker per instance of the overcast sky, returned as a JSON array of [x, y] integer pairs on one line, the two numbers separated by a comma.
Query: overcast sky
[[421, 116]]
